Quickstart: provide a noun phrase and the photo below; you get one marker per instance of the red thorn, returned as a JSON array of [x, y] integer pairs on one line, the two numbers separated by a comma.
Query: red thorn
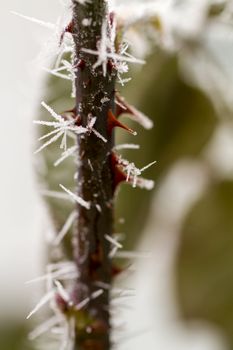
[[80, 64], [77, 120], [68, 29], [61, 303], [111, 18], [111, 66], [116, 270], [118, 175], [72, 111], [113, 122]]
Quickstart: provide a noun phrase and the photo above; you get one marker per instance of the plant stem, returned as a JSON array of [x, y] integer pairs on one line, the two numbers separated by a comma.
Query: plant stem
[[95, 96]]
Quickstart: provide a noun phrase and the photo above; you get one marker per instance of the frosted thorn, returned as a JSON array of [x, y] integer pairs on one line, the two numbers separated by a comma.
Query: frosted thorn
[[113, 122], [68, 29], [133, 173], [63, 293], [80, 64], [133, 113]]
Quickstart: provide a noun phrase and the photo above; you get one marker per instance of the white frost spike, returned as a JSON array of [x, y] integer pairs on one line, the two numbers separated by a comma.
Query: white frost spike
[[103, 49], [61, 273], [65, 155], [116, 246], [52, 112], [49, 142], [97, 294], [64, 128], [90, 165], [57, 74], [145, 184], [113, 241], [46, 123], [69, 222], [126, 146], [133, 255], [83, 303], [83, 2], [35, 20], [116, 57], [68, 334], [98, 207], [91, 123], [76, 198], [99, 135], [49, 134], [147, 166], [61, 290], [46, 298], [106, 50], [63, 144], [94, 295], [56, 194], [44, 327]]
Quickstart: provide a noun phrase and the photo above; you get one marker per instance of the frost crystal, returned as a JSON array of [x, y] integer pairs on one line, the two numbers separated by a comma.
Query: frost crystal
[[90, 128], [65, 229], [45, 299], [133, 174], [84, 2], [116, 246], [106, 50], [77, 198], [126, 146], [69, 152], [61, 125], [94, 295], [35, 20]]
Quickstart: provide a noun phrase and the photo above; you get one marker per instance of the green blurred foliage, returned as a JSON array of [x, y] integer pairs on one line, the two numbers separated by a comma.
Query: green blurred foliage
[[184, 121], [205, 259], [13, 336]]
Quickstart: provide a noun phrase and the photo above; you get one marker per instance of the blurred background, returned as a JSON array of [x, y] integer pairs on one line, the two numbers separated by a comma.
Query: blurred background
[[184, 287]]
